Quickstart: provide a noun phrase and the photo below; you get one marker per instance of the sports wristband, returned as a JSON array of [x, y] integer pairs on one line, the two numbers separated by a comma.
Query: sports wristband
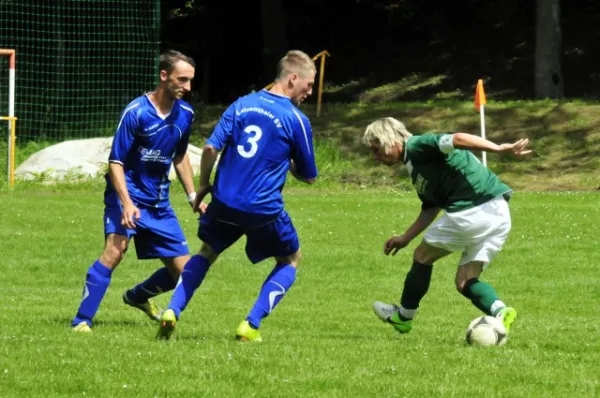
[[191, 197]]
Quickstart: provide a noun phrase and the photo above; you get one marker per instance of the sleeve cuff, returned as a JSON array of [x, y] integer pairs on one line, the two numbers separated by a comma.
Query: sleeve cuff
[[446, 145]]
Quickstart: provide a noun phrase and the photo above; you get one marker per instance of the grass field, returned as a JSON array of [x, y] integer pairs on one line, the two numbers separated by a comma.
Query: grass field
[[323, 340]]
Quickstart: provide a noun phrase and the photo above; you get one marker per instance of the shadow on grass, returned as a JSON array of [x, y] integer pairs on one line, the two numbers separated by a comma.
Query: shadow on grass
[[102, 322]]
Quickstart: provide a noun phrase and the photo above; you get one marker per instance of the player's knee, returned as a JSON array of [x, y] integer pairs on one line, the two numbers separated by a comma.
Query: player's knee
[[460, 285], [464, 286], [293, 260], [466, 275], [208, 253], [112, 256], [296, 257], [421, 256]]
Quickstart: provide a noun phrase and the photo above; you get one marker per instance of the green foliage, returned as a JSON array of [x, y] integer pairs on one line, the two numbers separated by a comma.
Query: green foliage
[[565, 136]]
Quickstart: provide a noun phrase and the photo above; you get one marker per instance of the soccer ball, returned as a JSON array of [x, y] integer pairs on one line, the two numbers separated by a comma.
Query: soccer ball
[[486, 331]]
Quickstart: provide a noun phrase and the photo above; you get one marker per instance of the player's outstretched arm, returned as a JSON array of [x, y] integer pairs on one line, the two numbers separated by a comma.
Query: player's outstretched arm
[[475, 143]]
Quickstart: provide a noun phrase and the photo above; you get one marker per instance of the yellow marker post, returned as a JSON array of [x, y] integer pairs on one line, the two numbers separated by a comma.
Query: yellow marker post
[[323, 55], [13, 140]]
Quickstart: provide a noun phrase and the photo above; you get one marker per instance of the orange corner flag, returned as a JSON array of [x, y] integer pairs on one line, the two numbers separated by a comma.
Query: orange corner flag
[[479, 95]]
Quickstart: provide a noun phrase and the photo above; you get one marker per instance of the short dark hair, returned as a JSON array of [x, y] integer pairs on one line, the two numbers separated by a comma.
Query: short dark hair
[[169, 58]]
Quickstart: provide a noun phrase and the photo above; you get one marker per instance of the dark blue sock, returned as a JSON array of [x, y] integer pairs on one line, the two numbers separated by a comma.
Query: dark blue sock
[[192, 276], [159, 282], [96, 283], [275, 287]]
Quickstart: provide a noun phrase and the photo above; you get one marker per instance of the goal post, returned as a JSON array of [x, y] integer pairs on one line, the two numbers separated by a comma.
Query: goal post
[[12, 140], [10, 156]]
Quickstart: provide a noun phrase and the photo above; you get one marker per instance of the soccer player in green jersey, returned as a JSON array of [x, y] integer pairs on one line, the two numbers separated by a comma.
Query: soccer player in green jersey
[[476, 219]]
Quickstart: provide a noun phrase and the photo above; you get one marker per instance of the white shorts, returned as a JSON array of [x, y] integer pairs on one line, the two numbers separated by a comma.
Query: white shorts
[[478, 233]]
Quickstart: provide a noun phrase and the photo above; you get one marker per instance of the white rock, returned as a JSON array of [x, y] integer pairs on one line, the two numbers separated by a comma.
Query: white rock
[[80, 159]]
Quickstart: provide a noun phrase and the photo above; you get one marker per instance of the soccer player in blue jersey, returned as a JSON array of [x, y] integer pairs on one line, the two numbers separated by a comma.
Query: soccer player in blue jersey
[[261, 137], [476, 219], [153, 134]]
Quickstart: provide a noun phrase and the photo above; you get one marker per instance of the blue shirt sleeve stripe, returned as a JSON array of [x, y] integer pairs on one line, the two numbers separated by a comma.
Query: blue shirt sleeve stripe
[[303, 131]]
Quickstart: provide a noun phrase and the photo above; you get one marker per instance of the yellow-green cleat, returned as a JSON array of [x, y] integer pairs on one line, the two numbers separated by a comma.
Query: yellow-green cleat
[[245, 332], [82, 327], [507, 315], [168, 320], [389, 314], [149, 307]]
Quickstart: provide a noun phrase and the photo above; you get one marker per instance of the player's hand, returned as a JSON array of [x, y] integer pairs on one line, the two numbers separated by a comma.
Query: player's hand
[[199, 206], [394, 244], [517, 148], [129, 215]]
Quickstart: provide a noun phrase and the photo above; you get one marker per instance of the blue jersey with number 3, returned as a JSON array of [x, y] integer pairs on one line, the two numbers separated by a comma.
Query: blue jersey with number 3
[[259, 134]]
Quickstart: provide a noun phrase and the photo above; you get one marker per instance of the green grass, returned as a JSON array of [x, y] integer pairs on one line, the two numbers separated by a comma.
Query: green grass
[[323, 340]]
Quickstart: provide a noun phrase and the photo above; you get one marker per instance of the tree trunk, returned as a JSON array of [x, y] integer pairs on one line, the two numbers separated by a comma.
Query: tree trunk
[[548, 37], [274, 36]]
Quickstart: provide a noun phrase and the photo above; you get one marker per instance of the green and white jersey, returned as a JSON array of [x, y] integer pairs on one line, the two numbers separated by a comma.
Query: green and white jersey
[[448, 178]]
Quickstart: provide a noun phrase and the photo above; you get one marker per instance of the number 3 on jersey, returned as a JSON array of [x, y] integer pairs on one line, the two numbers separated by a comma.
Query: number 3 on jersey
[[252, 141]]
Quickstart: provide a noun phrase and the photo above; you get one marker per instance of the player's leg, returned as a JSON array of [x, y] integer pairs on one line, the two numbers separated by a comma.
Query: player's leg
[[216, 236], [279, 240], [416, 285], [161, 281], [482, 294], [190, 279], [98, 279], [276, 285], [159, 236], [495, 218]]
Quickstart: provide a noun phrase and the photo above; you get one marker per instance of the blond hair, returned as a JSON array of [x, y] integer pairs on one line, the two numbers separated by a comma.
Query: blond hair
[[387, 132], [295, 61]]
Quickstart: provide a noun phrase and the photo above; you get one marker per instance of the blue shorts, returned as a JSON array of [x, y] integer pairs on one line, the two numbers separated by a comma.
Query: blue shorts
[[274, 238], [157, 233]]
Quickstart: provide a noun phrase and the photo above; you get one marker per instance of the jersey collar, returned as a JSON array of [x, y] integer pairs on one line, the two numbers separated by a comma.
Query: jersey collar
[[156, 112], [275, 95]]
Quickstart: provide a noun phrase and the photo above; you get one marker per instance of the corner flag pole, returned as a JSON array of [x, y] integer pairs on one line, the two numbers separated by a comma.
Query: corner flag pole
[[479, 105]]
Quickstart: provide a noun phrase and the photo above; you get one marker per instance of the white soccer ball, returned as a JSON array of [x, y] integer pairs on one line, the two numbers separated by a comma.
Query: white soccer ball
[[486, 331]]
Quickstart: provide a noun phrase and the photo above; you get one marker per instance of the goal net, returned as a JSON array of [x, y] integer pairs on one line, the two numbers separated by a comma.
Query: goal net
[[79, 62]]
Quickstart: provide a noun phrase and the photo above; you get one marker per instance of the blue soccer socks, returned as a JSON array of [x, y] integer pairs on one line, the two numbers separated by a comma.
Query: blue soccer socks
[[191, 277], [275, 287], [96, 283]]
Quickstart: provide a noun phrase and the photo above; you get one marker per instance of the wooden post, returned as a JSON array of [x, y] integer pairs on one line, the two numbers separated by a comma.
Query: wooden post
[[323, 55]]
